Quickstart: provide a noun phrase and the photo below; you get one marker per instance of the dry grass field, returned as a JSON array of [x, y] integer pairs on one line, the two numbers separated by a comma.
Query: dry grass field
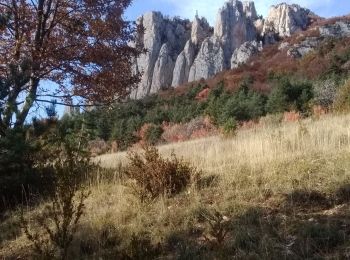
[[277, 191]]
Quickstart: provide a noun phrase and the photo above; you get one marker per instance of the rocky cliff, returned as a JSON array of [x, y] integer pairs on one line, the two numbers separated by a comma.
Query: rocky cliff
[[180, 51]]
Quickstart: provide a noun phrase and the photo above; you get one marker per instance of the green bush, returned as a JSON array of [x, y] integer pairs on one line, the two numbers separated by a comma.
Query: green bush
[[325, 92], [243, 105], [230, 127], [153, 134], [18, 172], [287, 96]]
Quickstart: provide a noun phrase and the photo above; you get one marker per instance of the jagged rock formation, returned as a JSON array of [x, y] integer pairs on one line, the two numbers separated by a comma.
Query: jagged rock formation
[[210, 60], [183, 64], [234, 26], [337, 30], [180, 51], [200, 30], [163, 39], [242, 54], [284, 19], [163, 69]]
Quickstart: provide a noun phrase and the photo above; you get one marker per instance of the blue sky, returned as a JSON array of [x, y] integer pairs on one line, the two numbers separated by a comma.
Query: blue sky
[[208, 8]]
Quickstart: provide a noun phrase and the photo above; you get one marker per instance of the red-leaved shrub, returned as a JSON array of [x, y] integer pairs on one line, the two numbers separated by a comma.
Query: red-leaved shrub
[[197, 128], [291, 116]]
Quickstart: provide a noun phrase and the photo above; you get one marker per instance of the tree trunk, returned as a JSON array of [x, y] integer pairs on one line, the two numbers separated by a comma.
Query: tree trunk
[[21, 116]]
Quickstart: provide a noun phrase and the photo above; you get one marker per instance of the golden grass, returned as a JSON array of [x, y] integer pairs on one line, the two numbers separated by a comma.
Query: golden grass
[[258, 147], [257, 168]]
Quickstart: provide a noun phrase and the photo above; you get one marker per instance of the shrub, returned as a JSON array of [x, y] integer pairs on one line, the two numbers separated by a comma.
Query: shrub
[[18, 173], [153, 134], [325, 92], [217, 224], [194, 91], [57, 223], [245, 104], [197, 128], [230, 126], [98, 147], [141, 247], [158, 176], [342, 100], [277, 101], [287, 95]]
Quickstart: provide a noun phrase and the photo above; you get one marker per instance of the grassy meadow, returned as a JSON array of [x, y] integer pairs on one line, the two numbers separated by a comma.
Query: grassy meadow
[[274, 191]]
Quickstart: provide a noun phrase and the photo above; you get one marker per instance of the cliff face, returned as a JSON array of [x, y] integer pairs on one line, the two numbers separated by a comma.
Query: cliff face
[[180, 51], [164, 39], [284, 19]]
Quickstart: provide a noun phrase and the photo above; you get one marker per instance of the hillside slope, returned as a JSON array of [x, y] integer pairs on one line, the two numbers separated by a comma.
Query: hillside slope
[[277, 191]]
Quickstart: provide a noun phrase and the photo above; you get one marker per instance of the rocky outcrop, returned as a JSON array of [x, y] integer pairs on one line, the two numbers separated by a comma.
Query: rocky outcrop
[[234, 26], [306, 46], [283, 20], [164, 39], [249, 10], [180, 51], [244, 53], [183, 65], [337, 30], [163, 69], [200, 30], [151, 40], [210, 60]]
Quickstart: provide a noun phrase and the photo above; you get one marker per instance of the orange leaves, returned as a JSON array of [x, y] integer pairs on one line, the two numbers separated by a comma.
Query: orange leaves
[[196, 128]]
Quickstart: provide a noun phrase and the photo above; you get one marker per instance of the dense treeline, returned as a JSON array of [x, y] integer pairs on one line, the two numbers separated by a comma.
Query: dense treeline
[[288, 92], [122, 121]]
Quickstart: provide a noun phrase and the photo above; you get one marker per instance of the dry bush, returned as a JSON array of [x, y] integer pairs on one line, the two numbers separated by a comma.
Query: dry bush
[[156, 176], [218, 226]]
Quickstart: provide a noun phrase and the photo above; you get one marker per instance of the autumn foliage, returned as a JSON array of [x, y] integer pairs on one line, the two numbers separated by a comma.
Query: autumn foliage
[[81, 46]]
